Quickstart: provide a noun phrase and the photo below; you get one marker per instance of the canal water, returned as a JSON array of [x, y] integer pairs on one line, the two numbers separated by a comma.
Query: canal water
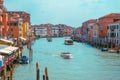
[[88, 63]]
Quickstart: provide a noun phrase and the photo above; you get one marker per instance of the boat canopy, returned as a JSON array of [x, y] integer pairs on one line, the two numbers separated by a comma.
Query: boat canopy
[[5, 52], [6, 42], [23, 38], [11, 48], [8, 50], [3, 46]]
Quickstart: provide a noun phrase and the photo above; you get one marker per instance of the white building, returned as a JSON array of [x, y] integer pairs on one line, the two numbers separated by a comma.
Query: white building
[[55, 31], [114, 33], [40, 31]]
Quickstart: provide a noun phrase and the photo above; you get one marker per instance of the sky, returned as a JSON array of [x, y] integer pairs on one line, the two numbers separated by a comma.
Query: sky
[[70, 12]]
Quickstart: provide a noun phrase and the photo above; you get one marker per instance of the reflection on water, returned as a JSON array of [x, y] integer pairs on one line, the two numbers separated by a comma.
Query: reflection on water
[[88, 63]]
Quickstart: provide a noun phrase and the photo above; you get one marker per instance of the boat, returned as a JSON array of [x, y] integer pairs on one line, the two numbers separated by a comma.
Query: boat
[[68, 42], [24, 60], [49, 39], [66, 55], [113, 50], [104, 49]]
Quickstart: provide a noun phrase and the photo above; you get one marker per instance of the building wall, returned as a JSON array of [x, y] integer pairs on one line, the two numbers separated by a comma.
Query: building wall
[[40, 31], [114, 33], [2, 4], [5, 29], [14, 31], [84, 28], [25, 29], [105, 20], [55, 30]]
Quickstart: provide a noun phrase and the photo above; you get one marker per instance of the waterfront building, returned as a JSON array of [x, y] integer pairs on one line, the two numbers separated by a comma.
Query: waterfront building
[[19, 21], [77, 30], [6, 27], [65, 30], [55, 30], [1, 17], [31, 31], [15, 26], [1, 23], [22, 14], [40, 31], [2, 5], [25, 29], [85, 28], [68, 31], [103, 24], [93, 32], [114, 34], [48, 27]]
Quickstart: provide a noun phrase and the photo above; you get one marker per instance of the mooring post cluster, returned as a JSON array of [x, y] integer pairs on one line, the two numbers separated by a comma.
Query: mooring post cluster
[[45, 76]]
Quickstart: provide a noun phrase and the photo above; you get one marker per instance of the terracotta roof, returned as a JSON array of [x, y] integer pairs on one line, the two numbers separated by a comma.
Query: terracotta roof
[[111, 15], [17, 12], [117, 21]]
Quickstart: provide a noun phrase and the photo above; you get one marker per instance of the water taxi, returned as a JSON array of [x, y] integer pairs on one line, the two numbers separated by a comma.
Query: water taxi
[[104, 49], [49, 39], [66, 55], [68, 42]]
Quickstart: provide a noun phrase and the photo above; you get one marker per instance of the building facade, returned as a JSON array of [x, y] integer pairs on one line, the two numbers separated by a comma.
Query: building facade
[[114, 34], [55, 31], [40, 31]]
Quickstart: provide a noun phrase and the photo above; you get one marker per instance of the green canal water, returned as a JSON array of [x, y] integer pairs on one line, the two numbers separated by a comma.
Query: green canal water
[[88, 63]]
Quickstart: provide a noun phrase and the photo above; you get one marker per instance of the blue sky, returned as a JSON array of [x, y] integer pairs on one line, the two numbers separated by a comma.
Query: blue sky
[[70, 12]]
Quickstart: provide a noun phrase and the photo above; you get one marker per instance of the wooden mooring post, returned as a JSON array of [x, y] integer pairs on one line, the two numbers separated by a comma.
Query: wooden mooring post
[[43, 77], [11, 73], [37, 72], [46, 73], [4, 75]]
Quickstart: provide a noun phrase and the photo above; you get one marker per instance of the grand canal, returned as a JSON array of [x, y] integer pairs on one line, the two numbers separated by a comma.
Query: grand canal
[[88, 63]]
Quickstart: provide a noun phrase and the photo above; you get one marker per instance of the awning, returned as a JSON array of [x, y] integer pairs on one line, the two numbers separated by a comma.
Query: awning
[[7, 42], [5, 52], [8, 50], [23, 38], [3, 46], [11, 48]]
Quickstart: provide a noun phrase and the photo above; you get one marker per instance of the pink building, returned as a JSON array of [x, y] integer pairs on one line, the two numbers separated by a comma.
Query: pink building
[[85, 30]]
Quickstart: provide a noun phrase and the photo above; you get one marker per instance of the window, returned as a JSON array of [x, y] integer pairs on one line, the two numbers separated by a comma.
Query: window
[[20, 34], [112, 35], [20, 29], [117, 26], [12, 35], [15, 24], [11, 29]]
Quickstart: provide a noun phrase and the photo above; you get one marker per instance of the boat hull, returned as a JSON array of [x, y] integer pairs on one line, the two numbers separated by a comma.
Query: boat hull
[[66, 55]]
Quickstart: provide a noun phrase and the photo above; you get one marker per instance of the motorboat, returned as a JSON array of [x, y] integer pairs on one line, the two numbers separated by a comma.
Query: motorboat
[[104, 49], [24, 60], [49, 39], [113, 50], [68, 42], [66, 55]]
